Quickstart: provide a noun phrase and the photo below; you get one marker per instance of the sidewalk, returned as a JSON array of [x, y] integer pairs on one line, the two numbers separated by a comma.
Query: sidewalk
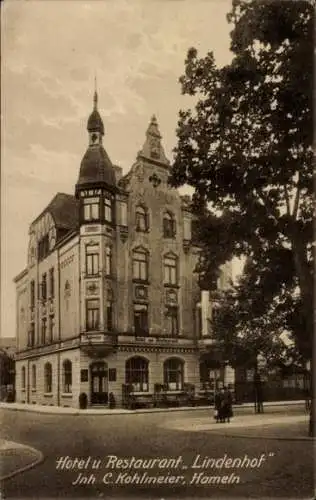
[[16, 458], [272, 426], [122, 411]]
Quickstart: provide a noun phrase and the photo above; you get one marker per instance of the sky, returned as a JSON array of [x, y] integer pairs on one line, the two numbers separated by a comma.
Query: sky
[[51, 52]]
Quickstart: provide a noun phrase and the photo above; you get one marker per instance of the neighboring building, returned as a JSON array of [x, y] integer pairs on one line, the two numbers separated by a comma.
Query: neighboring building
[[8, 345], [109, 298], [7, 368]]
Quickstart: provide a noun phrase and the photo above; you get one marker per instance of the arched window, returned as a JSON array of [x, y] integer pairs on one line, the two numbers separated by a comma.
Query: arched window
[[48, 378], [34, 377], [173, 374], [170, 263], [136, 373], [169, 225], [67, 376], [108, 260], [141, 219], [23, 378], [140, 264]]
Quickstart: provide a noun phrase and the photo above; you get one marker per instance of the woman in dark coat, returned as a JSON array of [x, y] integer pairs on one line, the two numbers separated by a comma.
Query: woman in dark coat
[[218, 400], [227, 405]]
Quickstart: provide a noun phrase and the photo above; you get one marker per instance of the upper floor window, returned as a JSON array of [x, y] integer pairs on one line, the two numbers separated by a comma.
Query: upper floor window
[[108, 210], [169, 225], [109, 315], [32, 294], [51, 329], [140, 264], [170, 269], [32, 335], [91, 209], [92, 314], [43, 331], [44, 286], [171, 321], [108, 260], [92, 260], [141, 319], [198, 321], [43, 247], [141, 219], [52, 283]]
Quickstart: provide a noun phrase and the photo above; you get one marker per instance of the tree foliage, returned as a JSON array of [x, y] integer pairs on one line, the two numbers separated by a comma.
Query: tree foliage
[[246, 149]]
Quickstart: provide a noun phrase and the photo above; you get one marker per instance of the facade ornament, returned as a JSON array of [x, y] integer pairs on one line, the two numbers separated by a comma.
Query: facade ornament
[[154, 179]]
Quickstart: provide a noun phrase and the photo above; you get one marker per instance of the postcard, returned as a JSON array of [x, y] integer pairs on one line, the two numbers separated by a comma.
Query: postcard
[[156, 249]]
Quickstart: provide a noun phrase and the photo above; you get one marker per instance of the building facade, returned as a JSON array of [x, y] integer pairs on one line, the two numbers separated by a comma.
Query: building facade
[[109, 301]]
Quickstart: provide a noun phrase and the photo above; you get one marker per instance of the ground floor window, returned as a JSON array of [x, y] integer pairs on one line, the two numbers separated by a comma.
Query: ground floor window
[[23, 378], [34, 377], [67, 376], [173, 374], [136, 373], [48, 378]]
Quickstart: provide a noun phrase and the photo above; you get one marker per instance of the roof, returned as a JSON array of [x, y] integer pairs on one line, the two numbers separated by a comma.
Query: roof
[[65, 211], [96, 166]]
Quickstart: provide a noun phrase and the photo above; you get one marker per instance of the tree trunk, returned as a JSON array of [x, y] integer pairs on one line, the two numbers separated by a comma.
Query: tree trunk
[[306, 284]]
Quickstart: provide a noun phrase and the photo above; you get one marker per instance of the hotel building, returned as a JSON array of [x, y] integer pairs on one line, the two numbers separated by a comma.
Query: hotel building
[[109, 300]]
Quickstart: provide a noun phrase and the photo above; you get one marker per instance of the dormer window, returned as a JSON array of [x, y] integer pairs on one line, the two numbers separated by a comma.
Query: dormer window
[[141, 219], [169, 225], [108, 215], [91, 209]]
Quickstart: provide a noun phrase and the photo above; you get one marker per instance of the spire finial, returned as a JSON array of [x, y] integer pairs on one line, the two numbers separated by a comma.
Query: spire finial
[[95, 97]]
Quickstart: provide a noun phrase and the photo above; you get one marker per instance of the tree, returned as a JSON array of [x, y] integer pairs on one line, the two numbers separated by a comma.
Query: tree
[[246, 149]]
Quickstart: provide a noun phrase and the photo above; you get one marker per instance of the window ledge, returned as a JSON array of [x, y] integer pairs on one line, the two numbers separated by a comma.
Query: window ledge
[[33, 390], [140, 281], [48, 394], [66, 395], [170, 285], [176, 391], [23, 389], [141, 393]]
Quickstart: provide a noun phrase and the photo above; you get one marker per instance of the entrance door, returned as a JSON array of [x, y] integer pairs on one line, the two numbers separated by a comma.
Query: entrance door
[[99, 383]]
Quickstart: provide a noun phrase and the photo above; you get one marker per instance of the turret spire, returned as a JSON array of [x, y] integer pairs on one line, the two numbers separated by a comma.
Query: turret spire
[[95, 123], [95, 96]]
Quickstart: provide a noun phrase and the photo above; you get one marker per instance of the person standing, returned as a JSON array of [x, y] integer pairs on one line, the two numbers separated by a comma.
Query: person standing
[[218, 405], [258, 393], [227, 404]]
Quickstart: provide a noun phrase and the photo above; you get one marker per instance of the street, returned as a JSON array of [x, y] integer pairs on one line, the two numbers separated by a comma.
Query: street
[[105, 445]]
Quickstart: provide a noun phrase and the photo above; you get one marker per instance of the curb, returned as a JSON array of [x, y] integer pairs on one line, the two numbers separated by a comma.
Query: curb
[[101, 412], [37, 461], [270, 438]]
